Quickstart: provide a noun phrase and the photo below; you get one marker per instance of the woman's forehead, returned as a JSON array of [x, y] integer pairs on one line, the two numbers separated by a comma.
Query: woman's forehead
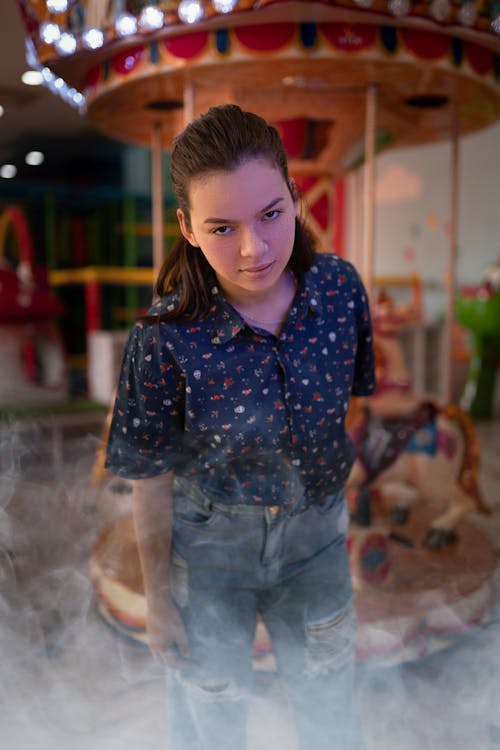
[[252, 184]]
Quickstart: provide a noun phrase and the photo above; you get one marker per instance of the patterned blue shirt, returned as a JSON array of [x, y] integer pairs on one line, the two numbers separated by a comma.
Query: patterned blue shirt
[[242, 415]]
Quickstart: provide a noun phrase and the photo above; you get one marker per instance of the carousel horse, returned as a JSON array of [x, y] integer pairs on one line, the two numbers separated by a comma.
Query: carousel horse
[[410, 449]]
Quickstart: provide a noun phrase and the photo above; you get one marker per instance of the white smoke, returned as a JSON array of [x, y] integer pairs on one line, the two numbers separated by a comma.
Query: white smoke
[[68, 682]]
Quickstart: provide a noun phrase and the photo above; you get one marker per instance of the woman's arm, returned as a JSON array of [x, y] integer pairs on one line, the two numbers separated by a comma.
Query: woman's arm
[[152, 501]]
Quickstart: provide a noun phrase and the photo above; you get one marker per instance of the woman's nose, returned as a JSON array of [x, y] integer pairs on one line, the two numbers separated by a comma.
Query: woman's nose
[[252, 244]]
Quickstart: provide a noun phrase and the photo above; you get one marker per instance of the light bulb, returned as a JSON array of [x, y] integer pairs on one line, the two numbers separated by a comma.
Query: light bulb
[[190, 11], [126, 24], [32, 78], [57, 6], [440, 9], [93, 38], [34, 158], [224, 6], [467, 14], [399, 8], [66, 44], [151, 18], [50, 32], [8, 171]]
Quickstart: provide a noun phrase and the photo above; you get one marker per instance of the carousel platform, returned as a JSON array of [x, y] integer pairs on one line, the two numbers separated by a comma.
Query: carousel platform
[[410, 601]]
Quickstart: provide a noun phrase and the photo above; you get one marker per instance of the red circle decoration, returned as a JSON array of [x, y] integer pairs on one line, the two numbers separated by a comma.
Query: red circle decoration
[[265, 37], [349, 37], [480, 58], [425, 44], [186, 46], [125, 62]]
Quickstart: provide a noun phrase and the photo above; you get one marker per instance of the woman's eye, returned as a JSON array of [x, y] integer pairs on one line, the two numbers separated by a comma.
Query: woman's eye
[[222, 230], [272, 214]]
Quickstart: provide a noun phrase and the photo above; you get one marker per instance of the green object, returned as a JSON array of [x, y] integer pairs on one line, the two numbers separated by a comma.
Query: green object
[[72, 406], [480, 314]]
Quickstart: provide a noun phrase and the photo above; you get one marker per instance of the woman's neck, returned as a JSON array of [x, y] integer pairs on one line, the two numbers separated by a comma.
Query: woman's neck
[[269, 310]]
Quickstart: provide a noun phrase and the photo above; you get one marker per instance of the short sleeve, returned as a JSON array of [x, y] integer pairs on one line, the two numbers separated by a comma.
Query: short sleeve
[[364, 367], [145, 437]]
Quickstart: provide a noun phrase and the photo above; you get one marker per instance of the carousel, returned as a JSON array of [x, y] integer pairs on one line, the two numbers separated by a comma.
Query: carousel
[[342, 80]]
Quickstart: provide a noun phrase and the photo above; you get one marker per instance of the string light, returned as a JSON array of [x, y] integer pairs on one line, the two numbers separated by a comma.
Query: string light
[[467, 13], [93, 38], [66, 44], [32, 78], [190, 11], [224, 6], [57, 6], [126, 24], [151, 18], [440, 9], [399, 8], [50, 32]]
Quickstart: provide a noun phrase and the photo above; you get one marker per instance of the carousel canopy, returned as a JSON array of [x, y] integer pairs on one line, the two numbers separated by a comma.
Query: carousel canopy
[[135, 65]]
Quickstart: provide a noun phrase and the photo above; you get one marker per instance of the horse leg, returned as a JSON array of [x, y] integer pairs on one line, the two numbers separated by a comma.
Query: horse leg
[[399, 497], [443, 529]]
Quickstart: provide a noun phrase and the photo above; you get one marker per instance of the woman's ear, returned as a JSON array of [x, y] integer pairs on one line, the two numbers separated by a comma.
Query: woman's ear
[[186, 231]]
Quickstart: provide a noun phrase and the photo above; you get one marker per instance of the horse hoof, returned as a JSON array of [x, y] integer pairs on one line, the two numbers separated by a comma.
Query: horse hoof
[[438, 538], [399, 515]]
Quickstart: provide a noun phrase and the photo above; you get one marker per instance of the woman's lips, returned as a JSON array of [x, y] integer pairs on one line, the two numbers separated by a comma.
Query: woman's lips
[[259, 270]]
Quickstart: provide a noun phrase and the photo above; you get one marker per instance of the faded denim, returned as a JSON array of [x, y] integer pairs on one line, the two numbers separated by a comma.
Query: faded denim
[[230, 562]]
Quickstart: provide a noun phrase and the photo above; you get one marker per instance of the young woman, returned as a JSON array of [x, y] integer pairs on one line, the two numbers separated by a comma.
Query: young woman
[[229, 418]]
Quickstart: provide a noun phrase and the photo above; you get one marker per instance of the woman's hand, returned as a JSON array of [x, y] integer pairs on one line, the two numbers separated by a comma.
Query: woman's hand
[[167, 636]]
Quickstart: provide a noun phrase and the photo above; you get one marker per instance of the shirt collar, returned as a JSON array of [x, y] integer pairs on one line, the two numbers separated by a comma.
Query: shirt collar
[[227, 322], [308, 300]]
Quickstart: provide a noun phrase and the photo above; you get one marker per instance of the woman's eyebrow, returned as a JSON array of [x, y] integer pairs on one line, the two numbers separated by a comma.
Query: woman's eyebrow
[[216, 220]]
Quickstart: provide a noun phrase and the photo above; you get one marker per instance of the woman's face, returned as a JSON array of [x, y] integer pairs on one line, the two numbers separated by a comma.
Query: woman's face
[[244, 223]]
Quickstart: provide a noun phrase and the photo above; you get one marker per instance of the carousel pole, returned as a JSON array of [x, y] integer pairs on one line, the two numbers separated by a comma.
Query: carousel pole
[[369, 187], [157, 196], [356, 218], [189, 102], [451, 280]]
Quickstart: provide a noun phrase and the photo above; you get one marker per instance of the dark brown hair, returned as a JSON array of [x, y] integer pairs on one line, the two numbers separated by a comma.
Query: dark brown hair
[[222, 139]]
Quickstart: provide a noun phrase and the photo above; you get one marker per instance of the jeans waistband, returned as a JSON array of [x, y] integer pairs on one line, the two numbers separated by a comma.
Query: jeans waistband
[[255, 511]]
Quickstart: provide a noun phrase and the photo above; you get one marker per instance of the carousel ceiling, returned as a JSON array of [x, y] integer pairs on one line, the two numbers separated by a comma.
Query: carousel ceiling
[[139, 66]]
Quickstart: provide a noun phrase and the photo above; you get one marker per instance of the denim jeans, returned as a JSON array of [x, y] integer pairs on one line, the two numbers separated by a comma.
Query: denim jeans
[[230, 563]]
